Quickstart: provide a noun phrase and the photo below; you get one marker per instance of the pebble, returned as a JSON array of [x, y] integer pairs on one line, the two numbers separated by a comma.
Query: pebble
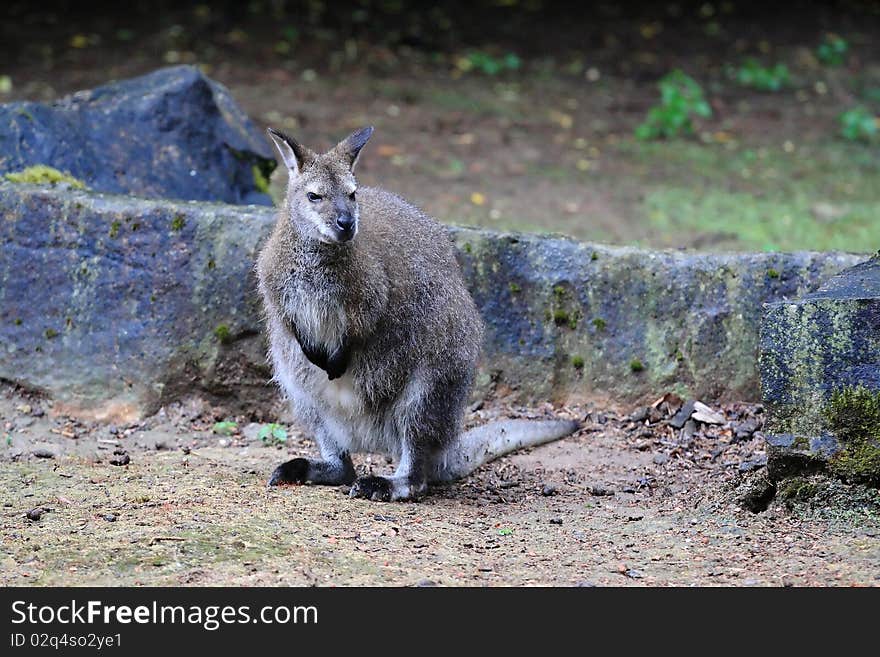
[[120, 459], [35, 514], [549, 489], [109, 517], [555, 521], [683, 415], [660, 459], [639, 415], [751, 465], [600, 491], [426, 583], [42, 453]]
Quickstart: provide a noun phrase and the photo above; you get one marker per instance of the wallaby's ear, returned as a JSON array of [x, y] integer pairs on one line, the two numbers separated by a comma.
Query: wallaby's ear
[[351, 146], [295, 156]]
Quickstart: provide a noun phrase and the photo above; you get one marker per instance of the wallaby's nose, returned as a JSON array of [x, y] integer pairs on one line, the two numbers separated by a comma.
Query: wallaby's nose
[[345, 223]]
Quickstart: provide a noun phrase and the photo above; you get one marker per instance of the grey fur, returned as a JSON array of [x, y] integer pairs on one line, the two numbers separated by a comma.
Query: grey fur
[[373, 335]]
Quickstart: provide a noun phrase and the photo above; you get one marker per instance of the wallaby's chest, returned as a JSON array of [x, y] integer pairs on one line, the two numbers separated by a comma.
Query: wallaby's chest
[[314, 303]]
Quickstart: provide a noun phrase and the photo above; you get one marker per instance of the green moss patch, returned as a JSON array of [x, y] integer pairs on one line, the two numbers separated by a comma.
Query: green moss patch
[[41, 174], [853, 414]]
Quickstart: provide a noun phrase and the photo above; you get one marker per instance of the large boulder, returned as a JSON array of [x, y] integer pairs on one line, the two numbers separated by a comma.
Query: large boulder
[[113, 305], [820, 371], [171, 134]]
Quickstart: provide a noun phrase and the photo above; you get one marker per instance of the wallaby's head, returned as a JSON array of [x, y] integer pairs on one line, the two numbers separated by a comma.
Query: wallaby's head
[[321, 189]]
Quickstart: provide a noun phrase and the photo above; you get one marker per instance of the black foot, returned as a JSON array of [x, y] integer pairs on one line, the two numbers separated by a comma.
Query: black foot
[[377, 489], [292, 472]]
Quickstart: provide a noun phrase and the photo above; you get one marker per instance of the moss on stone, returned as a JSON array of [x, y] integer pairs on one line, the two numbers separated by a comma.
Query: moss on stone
[[223, 334], [261, 181], [40, 174], [800, 442], [797, 489], [853, 414], [561, 317]]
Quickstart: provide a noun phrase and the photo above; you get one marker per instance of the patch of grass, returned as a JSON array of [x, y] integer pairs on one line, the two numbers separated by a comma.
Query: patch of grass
[[577, 362], [681, 100], [753, 75], [41, 174], [833, 50], [599, 324], [635, 365], [488, 64], [744, 221], [859, 124]]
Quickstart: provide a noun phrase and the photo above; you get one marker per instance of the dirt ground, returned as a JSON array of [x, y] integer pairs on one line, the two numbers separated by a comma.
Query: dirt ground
[[619, 503]]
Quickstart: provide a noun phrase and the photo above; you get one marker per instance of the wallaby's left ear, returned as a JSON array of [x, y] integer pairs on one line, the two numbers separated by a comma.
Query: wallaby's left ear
[[350, 147]]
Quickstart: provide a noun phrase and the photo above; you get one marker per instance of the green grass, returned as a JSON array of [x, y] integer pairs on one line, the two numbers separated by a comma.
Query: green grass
[[743, 221], [762, 199]]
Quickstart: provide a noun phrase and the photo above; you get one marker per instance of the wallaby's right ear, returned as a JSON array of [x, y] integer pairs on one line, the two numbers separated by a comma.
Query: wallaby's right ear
[[295, 156]]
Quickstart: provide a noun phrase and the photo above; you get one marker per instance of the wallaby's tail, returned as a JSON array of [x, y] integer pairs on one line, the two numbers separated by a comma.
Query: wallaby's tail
[[489, 441]]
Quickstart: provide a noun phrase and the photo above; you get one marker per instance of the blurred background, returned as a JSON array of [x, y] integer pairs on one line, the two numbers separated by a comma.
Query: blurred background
[[706, 125]]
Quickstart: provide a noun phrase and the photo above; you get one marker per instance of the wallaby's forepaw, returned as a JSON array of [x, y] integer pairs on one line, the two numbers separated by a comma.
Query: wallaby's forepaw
[[378, 489], [291, 472]]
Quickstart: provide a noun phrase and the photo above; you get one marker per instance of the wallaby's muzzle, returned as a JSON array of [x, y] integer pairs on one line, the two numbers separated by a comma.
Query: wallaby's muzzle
[[345, 227]]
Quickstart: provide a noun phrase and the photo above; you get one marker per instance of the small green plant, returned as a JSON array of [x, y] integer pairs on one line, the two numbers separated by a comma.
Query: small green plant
[[577, 362], [636, 365], [50, 333], [223, 334], [515, 288], [752, 74], [859, 124], [225, 428], [681, 99], [8, 438], [477, 60], [272, 434], [114, 229], [773, 273], [599, 324], [178, 223], [832, 51], [505, 531]]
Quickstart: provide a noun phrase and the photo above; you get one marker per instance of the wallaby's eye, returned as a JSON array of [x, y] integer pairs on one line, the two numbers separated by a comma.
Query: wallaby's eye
[[314, 198], [351, 196]]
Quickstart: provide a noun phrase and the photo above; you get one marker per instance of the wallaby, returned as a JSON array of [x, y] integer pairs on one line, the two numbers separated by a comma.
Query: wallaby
[[373, 335]]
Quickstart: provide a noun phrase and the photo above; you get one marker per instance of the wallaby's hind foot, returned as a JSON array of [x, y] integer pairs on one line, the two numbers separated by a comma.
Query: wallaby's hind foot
[[388, 489], [301, 471]]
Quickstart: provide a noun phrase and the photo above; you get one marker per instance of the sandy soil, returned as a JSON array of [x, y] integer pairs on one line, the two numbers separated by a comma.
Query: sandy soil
[[619, 503]]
